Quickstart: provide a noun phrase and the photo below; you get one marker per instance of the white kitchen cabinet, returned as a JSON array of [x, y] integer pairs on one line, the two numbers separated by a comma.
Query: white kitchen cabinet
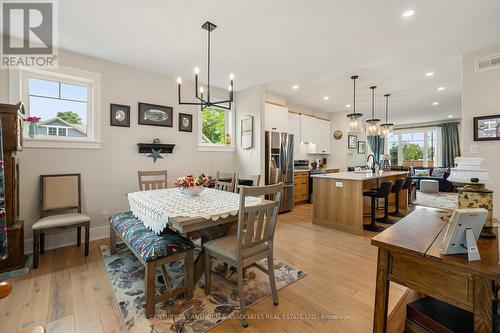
[[276, 118], [294, 128], [317, 132], [308, 129], [323, 141]]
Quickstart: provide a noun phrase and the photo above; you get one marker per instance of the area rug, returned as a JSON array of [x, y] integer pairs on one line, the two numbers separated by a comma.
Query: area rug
[[199, 314], [443, 200]]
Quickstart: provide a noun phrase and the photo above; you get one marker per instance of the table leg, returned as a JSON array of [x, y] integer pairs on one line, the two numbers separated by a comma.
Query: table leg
[[381, 292], [217, 231], [483, 304]]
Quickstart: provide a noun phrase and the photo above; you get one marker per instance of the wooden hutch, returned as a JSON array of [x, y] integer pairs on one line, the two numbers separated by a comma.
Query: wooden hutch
[[12, 117]]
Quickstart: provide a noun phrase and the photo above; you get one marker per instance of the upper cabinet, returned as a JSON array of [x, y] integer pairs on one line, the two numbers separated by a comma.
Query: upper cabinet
[[294, 128], [323, 144], [316, 131], [276, 118]]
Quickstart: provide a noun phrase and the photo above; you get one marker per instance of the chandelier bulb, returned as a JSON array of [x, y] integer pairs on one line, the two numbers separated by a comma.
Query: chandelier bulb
[[196, 70], [202, 90], [231, 76], [179, 80]]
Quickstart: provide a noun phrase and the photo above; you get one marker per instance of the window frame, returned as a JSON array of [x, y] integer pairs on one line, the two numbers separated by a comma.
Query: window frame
[[19, 88], [229, 127]]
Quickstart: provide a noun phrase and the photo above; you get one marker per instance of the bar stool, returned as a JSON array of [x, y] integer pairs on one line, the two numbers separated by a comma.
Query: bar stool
[[396, 189], [385, 219], [382, 192]]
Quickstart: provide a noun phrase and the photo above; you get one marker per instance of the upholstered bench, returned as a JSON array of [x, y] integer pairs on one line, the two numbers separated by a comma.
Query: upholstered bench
[[154, 251], [429, 186]]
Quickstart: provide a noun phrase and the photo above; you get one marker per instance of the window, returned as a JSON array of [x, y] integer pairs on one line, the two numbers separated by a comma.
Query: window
[[66, 100], [216, 129], [414, 147]]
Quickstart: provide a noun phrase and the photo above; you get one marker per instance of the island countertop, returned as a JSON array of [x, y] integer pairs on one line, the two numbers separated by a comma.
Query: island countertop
[[352, 175]]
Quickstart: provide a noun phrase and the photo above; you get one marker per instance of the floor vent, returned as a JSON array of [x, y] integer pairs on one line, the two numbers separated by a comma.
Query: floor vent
[[488, 63]]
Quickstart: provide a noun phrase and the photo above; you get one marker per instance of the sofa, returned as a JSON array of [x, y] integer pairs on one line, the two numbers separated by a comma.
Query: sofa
[[434, 173]]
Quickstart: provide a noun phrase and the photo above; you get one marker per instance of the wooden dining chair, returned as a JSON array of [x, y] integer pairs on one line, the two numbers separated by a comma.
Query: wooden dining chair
[[60, 208], [152, 180], [251, 180], [252, 242], [225, 181]]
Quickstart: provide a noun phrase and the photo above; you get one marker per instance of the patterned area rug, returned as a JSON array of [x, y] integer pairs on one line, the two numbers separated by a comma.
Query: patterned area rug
[[443, 200], [199, 314]]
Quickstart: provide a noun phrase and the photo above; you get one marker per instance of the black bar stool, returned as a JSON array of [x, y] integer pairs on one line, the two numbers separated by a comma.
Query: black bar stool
[[385, 219], [396, 189], [382, 192]]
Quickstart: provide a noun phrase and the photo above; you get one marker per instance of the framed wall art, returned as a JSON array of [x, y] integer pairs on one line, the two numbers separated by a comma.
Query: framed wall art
[[361, 147], [155, 115], [352, 141], [119, 115], [185, 122], [487, 128], [247, 133]]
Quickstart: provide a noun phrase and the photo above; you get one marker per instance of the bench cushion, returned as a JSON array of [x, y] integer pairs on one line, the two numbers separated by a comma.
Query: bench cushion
[[145, 242]]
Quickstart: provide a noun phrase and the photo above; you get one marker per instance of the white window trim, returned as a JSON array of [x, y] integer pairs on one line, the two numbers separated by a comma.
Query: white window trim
[[230, 128], [18, 79]]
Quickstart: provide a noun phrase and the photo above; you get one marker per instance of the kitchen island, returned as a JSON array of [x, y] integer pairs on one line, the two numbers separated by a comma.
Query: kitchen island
[[338, 200]]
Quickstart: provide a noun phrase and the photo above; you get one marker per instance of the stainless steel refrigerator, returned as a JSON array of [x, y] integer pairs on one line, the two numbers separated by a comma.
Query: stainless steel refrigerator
[[279, 165]]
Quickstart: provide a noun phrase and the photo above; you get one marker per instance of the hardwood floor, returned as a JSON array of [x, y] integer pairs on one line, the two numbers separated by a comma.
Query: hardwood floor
[[71, 293]]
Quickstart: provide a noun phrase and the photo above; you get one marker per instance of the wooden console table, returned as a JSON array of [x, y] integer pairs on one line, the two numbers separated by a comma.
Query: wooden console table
[[409, 255]]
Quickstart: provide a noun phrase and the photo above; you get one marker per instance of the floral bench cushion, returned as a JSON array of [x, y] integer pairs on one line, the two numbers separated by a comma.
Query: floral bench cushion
[[145, 242]]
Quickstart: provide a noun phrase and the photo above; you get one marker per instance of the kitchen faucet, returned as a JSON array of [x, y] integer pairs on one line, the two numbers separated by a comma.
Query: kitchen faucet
[[373, 162]]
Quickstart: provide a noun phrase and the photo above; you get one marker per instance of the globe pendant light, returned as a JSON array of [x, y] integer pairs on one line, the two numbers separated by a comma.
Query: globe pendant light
[[387, 127], [373, 124], [202, 100], [355, 120]]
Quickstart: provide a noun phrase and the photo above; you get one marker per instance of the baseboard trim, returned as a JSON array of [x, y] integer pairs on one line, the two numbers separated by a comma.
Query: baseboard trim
[[55, 240]]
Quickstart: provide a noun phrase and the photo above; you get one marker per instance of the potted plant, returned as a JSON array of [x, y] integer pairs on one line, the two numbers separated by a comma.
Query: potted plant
[[33, 126], [192, 186]]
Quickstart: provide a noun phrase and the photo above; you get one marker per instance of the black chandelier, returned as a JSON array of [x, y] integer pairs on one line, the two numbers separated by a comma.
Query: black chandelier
[[226, 104], [373, 124], [387, 127], [354, 119]]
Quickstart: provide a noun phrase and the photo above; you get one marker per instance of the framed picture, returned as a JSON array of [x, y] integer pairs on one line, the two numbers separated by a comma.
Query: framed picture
[[487, 128], [361, 147], [185, 122], [247, 133], [155, 115], [352, 141], [119, 115]]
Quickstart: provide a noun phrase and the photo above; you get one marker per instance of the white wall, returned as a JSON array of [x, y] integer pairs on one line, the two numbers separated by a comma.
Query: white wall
[[338, 154], [481, 97], [110, 172]]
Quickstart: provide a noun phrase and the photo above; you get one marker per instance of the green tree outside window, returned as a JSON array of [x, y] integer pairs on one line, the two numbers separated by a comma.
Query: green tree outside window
[[213, 125], [69, 117]]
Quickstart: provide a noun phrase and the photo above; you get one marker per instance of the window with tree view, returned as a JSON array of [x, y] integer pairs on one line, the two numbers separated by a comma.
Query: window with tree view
[[213, 126], [62, 107], [413, 148]]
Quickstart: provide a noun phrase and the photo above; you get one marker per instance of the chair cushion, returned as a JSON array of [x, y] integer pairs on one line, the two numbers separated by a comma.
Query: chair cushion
[[145, 242], [226, 247], [60, 220]]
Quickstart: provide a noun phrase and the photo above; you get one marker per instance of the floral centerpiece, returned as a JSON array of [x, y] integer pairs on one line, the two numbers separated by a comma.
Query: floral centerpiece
[[33, 127], [192, 186]]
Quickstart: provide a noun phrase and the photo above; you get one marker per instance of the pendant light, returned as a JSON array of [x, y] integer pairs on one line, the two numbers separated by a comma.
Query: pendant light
[[355, 120], [373, 124], [387, 127], [207, 102]]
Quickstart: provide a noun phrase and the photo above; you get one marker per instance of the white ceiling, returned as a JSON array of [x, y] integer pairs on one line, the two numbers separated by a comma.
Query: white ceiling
[[317, 44]]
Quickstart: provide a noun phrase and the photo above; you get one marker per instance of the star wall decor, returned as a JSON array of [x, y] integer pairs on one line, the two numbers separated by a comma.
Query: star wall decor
[[155, 154]]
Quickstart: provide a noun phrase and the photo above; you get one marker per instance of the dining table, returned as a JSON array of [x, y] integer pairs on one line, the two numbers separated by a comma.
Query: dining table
[[206, 216]]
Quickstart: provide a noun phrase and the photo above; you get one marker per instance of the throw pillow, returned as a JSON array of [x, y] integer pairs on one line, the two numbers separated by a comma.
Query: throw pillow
[[439, 172], [422, 172]]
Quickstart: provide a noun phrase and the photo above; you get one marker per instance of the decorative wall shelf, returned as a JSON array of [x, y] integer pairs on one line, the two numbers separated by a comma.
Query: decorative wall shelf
[[165, 148]]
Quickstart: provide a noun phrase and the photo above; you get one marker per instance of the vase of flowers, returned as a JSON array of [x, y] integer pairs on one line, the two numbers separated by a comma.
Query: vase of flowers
[[192, 186], [33, 126]]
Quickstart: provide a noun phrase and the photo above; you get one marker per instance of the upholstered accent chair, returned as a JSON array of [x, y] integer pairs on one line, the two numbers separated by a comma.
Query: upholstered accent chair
[[60, 208], [225, 181], [152, 180], [252, 242]]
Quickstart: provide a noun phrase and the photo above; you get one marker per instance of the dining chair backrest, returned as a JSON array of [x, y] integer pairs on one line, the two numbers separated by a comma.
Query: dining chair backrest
[[152, 180], [256, 223], [245, 181], [225, 181], [60, 193]]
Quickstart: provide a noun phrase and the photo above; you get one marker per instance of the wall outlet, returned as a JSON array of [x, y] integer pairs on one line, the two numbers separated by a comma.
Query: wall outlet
[[339, 184], [474, 149], [104, 216]]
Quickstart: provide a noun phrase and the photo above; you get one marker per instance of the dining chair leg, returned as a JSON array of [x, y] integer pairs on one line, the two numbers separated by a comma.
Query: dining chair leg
[[36, 247], [208, 277], [189, 277], [42, 242], [78, 236], [112, 240], [87, 238], [272, 278], [241, 295]]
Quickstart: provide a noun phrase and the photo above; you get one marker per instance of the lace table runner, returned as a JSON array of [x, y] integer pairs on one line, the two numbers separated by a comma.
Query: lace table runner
[[155, 207]]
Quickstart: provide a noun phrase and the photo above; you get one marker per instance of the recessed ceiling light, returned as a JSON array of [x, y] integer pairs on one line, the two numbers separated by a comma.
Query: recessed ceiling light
[[441, 88], [408, 13], [348, 105], [435, 103], [295, 87], [429, 74], [450, 116], [326, 98]]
